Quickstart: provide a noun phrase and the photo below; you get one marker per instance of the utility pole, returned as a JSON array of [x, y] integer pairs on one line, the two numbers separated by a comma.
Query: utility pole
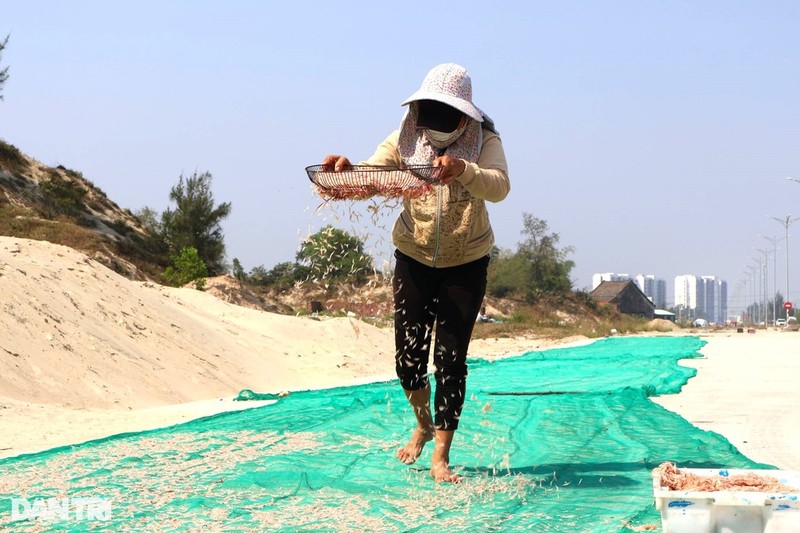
[[764, 282], [774, 241], [786, 221], [751, 271]]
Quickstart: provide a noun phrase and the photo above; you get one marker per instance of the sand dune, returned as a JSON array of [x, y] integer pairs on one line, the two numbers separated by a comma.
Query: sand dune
[[77, 340]]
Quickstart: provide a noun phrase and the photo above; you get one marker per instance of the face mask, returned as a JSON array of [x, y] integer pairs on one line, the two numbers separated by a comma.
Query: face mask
[[441, 139]]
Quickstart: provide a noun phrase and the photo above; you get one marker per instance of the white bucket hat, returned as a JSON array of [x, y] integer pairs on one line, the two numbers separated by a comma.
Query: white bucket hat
[[449, 84]]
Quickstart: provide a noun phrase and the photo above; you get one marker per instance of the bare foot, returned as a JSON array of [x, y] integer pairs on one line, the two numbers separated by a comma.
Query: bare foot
[[441, 472], [409, 453]]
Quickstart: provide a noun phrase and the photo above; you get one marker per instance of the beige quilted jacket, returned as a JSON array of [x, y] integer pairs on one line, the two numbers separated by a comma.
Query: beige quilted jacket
[[450, 226]]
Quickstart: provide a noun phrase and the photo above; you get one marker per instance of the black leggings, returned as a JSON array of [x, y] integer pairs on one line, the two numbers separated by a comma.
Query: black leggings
[[450, 298]]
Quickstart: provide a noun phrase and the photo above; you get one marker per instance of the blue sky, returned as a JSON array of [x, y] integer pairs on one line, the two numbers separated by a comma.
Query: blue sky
[[654, 137]]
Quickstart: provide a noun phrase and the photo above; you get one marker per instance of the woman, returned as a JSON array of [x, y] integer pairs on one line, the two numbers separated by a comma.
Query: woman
[[443, 241]]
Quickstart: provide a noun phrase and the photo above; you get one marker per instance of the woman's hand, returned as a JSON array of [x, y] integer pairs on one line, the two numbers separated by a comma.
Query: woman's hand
[[449, 168], [336, 163]]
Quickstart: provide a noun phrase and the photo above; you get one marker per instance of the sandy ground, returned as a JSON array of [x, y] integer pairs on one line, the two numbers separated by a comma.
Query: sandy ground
[[747, 389], [86, 353]]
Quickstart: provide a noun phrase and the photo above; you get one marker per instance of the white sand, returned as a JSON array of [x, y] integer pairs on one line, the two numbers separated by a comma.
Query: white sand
[[86, 353], [747, 389]]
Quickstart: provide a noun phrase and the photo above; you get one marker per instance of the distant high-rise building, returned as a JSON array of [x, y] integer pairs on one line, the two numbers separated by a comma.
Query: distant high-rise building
[[597, 279], [703, 296], [653, 288], [686, 291], [715, 293]]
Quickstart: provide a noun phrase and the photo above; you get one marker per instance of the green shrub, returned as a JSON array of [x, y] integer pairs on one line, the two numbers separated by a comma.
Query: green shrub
[[62, 197], [187, 267]]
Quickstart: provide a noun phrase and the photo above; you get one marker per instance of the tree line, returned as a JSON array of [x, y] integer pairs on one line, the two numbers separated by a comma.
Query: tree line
[[191, 237], [538, 267]]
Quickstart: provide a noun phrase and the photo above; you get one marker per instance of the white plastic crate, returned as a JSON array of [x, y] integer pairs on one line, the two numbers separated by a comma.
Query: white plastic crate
[[729, 511]]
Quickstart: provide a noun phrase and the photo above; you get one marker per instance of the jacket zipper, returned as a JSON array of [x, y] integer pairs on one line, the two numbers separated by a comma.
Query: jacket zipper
[[437, 225]]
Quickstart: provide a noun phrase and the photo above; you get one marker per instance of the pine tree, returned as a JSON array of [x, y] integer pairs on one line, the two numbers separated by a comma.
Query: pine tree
[[195, 222], [3, 72]]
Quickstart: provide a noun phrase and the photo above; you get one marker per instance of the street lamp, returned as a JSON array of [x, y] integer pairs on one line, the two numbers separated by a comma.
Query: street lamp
[[758, 268], [786, 221], [765, 284], [774, 241], [742, 294], [750, 293]]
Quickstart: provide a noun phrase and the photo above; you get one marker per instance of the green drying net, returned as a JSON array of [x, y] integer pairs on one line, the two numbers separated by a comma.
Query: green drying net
[[557, 440]]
